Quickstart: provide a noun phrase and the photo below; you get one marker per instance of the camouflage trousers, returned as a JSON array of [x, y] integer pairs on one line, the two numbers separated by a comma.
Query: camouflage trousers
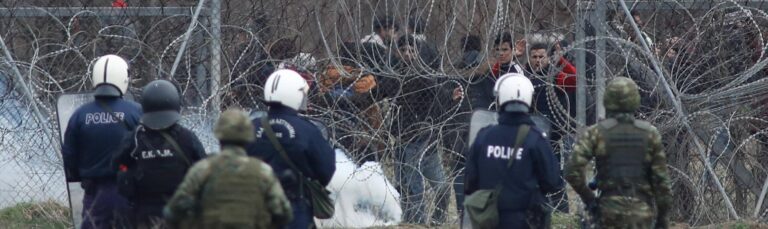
[[625, 212]]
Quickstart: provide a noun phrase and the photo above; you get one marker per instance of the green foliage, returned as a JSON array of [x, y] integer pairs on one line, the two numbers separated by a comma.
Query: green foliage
[[562, 220], [43, 215]]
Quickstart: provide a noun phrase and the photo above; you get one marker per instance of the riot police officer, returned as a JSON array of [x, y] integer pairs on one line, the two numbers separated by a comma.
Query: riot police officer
[[515, 155], [157, 155], [94, 132], [285, 93]]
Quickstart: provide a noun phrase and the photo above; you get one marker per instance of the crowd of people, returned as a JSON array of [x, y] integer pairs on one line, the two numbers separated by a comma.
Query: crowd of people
[[140, 168]]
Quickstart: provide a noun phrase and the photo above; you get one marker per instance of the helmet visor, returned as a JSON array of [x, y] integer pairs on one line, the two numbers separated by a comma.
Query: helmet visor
[[160, 119]]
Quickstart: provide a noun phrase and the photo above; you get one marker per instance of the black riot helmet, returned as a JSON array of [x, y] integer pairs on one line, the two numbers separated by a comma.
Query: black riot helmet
[[161, 104]]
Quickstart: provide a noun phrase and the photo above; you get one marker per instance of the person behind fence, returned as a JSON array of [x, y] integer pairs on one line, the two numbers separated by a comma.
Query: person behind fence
[[422, 101], [510, 166], [507, 51], [155, 156], [94, 132], [471, 47], [416, 26], [554, 101], [630, 162], [385, 30], [230, 189], [293, 146], [346, 88]]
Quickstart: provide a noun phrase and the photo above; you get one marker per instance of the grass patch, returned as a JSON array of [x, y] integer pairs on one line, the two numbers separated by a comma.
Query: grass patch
[[563, 220], [43, 215]]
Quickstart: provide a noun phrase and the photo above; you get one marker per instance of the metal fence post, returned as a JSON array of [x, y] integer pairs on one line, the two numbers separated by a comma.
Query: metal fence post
[[215, 56], [581, 64], [187, 34], [598, 22]]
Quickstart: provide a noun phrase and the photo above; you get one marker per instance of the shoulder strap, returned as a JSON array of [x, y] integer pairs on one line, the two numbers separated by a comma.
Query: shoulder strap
[[175, 146], [279, 147], [111, 113], [522, 133]]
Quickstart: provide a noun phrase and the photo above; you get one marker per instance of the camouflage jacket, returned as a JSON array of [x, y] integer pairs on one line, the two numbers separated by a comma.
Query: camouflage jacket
[[591, 145], [184, 208]]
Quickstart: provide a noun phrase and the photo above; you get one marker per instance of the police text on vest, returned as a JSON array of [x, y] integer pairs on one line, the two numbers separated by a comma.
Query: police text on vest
[[103, 118], [504, 152]]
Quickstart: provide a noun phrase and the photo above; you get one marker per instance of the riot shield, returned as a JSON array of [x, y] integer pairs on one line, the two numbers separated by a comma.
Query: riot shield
[[479, 120], [323, 129], [65, 106], [483, 118], [542, 123]]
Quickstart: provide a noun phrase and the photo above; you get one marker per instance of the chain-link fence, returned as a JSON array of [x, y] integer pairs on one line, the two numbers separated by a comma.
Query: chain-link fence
[[405, 102]]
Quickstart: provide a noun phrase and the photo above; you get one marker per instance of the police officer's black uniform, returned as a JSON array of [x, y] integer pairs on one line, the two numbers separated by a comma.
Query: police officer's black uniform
[[524, 185], [154, 159], [157, 167], [305, 146]]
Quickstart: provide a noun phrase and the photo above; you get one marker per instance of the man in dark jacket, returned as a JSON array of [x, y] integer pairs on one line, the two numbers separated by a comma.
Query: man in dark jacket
[[286, 93], [532, 176], [156, 155], [480, 90], [92, 136], [420, 103], [471, 48]]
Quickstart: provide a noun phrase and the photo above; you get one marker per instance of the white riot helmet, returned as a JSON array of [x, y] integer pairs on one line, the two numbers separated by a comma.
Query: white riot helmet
[[110, 76], [288, 88], [513, 92]]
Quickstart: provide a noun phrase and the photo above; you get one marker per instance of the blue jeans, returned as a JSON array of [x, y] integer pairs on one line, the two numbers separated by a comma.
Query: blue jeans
[[415, 164], [103, 207]]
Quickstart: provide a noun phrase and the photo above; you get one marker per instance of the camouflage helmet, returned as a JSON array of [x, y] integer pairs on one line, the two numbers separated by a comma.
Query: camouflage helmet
[[621, 95], [234, 126]]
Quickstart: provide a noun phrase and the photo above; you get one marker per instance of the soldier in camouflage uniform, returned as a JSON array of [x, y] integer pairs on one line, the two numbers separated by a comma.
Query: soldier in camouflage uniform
[[230, 190], [630, 161]]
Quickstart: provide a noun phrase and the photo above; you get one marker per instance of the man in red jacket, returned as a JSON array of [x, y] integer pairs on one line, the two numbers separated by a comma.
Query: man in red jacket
[[539, 62], [554, 100]]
